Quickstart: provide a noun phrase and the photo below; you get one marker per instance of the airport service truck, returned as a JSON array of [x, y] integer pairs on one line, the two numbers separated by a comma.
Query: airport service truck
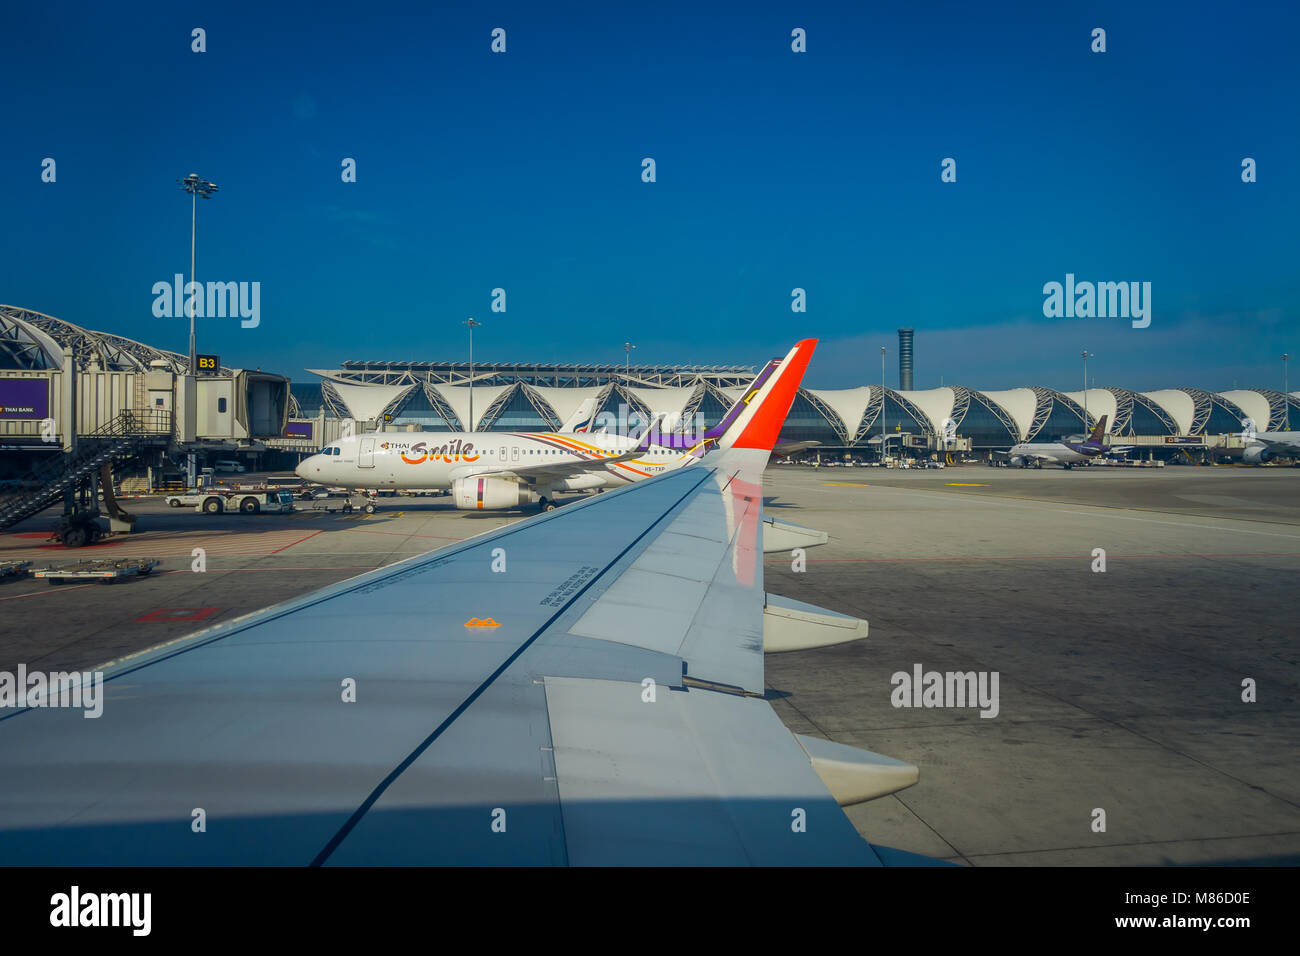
[[249, 501]]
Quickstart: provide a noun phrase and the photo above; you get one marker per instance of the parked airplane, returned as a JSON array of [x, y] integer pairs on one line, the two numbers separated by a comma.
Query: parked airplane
[[494, 470], [1262, 447], [584, 687], [1065, 453]]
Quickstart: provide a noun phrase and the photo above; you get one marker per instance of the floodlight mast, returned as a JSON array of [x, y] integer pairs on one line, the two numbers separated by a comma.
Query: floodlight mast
[[1286, 392], [1086, 355], [883, 437], [469, 426], [196, 187]]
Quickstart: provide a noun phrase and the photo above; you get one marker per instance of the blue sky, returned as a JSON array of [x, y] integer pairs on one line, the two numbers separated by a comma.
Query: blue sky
[[775, 170]]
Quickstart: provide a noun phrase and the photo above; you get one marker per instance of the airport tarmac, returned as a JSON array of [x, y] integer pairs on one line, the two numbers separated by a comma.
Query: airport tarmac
[[1118, 690]]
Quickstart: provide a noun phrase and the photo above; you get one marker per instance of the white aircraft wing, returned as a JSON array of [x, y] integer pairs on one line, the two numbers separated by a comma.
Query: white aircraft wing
[[579, 687], [1287, 442]]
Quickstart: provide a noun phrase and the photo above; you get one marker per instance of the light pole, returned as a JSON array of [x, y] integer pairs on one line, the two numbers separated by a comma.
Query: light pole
[[882, 405], [1286, 394], [627, 361], [469, 426], [196, 187], [1086, 355]]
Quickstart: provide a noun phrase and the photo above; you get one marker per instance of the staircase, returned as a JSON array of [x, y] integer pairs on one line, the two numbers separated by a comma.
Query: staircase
[[122, 439]]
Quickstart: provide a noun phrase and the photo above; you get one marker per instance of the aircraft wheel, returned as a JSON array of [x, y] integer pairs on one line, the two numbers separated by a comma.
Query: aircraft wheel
[[546, 504]]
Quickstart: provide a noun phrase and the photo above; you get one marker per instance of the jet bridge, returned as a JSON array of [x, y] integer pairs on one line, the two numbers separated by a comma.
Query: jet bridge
[[76, 404]]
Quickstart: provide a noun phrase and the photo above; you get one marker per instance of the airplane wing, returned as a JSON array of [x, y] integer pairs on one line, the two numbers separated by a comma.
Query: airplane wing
[[786, 448], [581, 687], [1285, 444]]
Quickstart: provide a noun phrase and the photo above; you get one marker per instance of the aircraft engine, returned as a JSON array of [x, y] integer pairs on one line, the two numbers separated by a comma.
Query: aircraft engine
[[1019, 461], [474, 494], [1256, 455]]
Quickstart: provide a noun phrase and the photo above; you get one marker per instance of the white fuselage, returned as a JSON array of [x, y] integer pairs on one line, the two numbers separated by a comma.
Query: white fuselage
[[1050, 452], [431, 460]]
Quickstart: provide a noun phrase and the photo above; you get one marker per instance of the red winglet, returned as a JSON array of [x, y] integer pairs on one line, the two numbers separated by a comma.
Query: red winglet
[[764, 428]]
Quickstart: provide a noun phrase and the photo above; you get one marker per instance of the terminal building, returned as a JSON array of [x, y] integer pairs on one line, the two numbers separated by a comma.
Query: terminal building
[[435, 396]]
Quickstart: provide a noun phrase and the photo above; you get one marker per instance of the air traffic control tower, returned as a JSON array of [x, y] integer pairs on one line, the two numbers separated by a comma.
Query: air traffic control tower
[[904, 360]]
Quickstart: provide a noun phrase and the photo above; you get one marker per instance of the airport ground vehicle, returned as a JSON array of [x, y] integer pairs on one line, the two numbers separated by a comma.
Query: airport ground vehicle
[[247, 501], [191, 497], [300, 489], [228, 466]]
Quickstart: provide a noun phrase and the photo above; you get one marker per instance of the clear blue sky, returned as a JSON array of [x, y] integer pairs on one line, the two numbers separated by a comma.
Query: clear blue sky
[[775, 170]]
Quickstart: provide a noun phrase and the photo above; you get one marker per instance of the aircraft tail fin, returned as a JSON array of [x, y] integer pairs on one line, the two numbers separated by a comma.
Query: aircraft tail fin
[[581, 419], [1098, 431], [755, 421]]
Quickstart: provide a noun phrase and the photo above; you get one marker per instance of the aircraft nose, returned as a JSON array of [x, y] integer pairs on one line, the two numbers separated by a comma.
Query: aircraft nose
[[301, 470]]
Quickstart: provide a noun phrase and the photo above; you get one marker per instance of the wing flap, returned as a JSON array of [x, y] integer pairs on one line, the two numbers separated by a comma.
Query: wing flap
[[694, 777], [690, 591]]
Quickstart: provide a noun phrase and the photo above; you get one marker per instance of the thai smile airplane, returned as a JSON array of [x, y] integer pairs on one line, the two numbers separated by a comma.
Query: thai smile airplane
[[494, 470]]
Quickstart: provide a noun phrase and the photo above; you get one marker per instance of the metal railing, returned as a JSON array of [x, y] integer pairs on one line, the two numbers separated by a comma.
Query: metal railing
[[135, 421], [122, 438]]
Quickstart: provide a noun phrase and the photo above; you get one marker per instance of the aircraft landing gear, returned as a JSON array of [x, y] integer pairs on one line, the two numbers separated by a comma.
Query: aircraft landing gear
[[546, 504]]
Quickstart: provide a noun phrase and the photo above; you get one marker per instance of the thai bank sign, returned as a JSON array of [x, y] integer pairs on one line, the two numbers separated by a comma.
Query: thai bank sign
[[25, 398]]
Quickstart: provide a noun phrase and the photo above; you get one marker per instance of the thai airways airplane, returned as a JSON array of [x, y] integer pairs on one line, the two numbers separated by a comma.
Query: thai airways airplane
[[1066, 453], [1262, 447], [495, 470], [584, 687]]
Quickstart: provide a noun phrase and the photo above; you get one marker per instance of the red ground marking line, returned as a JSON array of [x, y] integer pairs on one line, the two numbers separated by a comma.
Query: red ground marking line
[[1050, 557], [165, 615], [369, 567], [299, 541], [71, 587], [399, 534], [59, 546]]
